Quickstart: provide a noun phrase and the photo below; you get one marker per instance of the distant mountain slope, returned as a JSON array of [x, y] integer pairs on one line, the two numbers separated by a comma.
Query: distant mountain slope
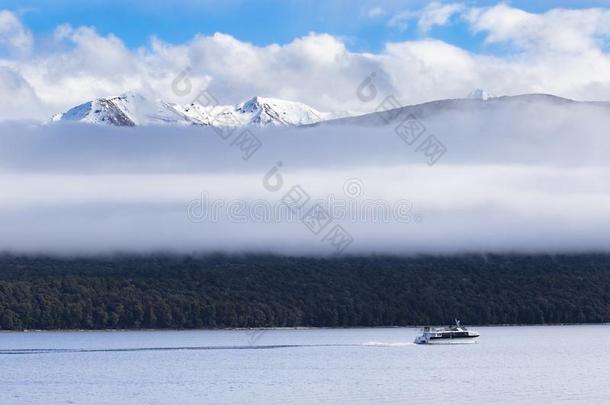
[[479, 103], [133, 109]]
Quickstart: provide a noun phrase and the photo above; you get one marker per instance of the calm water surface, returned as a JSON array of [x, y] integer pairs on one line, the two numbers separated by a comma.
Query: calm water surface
[[540, 364]]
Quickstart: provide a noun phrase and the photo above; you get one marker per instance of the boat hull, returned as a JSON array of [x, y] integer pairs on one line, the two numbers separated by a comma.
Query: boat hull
[[451, 335], [463, 341], [425, 340]]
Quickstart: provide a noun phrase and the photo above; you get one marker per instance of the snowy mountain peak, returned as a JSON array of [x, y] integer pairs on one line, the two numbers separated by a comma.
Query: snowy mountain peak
[[253, 104], [131, 109], [109, 111], [264, 111], [480, 94]]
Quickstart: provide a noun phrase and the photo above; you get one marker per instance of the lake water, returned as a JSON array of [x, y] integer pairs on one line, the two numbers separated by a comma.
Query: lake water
[[539, 364]]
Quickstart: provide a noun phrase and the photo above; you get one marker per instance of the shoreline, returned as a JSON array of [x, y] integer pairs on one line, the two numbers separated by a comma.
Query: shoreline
[[294, 328]]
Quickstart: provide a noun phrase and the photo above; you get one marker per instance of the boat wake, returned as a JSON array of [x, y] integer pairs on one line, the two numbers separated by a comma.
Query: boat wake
[[195, 348], [390, 344], [145, 349]]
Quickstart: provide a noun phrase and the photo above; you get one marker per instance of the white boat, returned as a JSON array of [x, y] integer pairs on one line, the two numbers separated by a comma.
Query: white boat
[[456, 334]]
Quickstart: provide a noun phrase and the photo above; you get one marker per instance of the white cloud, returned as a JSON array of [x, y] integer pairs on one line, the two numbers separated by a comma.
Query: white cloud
[[17, 97], [433, 14], [401, 20], [557, 30], [375, 12], [526, 177], [437, 14], [561, 52], [13, 35]]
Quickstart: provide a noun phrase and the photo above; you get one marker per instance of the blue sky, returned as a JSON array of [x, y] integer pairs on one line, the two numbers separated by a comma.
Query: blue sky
[[259, 22]]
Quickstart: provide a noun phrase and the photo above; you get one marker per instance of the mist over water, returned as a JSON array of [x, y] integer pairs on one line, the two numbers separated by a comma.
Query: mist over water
[[528, 177]]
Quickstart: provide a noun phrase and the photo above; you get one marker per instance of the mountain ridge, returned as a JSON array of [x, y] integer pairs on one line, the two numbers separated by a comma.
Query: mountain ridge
[[394, 116], [132, 109]]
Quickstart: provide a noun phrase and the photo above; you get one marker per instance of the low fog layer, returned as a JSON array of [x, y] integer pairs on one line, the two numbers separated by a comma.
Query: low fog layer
[[532, 178]]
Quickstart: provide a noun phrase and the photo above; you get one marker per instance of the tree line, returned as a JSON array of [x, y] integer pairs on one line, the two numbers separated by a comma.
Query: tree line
[[221, 291]]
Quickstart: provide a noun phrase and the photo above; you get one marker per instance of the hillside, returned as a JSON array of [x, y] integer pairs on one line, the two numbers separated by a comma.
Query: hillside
[[273, 291]]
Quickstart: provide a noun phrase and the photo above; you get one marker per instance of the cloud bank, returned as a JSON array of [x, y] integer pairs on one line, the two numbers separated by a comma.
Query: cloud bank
[[560, 51], [527, 178]]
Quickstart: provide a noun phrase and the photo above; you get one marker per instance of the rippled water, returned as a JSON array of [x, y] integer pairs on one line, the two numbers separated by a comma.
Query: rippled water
[[543, 364]]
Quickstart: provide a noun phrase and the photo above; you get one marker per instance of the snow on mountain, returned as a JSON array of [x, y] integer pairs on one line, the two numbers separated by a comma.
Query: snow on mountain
[[133, 109], [270, 111], [129, 109], [480, 94], [101, 111]]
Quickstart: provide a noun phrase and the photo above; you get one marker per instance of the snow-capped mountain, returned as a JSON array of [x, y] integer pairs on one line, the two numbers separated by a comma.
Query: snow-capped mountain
[[129, 109], [132, 109]]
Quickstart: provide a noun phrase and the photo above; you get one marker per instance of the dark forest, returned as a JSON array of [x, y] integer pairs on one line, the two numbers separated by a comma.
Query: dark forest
[[219, 291]]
